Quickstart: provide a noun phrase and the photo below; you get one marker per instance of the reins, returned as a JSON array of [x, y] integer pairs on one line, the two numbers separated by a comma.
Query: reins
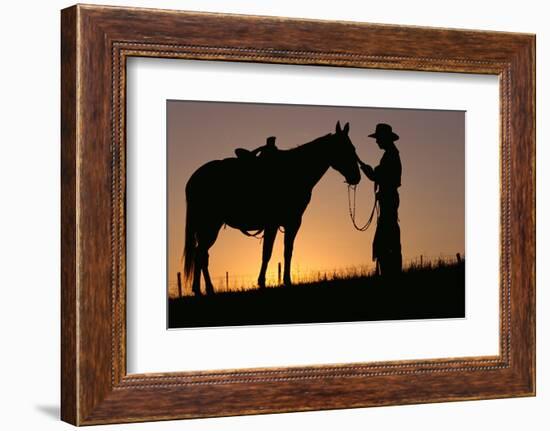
[[352, 209]]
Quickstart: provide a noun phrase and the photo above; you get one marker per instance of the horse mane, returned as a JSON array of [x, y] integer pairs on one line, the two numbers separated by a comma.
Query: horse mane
[[307, 145]]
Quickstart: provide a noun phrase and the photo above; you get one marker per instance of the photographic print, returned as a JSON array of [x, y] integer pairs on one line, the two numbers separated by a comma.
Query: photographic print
[[287, 214]]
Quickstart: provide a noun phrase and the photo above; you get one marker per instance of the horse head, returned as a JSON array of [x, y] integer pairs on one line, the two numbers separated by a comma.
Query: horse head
[[343, 157]]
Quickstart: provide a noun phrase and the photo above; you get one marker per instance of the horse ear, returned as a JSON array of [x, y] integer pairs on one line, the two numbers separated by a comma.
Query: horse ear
[[338, 128], [346, 128]]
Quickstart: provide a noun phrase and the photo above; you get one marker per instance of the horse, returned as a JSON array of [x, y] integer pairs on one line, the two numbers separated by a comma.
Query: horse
[[261, 194]]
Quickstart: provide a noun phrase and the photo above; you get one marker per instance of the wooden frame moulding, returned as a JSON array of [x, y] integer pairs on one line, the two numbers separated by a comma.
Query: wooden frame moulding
[[96, 41]]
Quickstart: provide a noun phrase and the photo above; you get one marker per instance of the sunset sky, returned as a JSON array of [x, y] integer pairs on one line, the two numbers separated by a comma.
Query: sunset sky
[[431, 212]]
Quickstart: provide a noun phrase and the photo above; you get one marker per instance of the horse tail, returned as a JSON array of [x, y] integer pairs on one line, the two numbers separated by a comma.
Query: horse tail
[[190, 247]]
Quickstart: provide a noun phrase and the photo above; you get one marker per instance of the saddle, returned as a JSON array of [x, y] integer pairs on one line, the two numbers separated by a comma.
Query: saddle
[[243, 153]]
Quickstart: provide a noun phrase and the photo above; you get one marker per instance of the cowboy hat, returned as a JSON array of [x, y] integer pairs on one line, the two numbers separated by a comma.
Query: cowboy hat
[[384, 130]]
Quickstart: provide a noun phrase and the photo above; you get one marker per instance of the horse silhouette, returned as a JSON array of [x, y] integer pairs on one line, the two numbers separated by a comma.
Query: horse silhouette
[[262, 195]]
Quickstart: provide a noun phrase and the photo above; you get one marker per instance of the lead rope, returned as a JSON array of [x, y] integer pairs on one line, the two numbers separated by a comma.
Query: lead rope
[[352, 209]]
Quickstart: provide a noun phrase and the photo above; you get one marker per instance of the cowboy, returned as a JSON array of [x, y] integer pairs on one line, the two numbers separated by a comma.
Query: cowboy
[[267, 150], [386, 246]]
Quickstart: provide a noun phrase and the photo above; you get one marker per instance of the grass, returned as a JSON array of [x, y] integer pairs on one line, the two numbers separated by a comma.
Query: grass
[[431, 290]]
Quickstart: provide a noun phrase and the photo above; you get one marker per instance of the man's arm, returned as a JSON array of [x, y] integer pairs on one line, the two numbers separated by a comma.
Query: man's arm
[[367, 170]]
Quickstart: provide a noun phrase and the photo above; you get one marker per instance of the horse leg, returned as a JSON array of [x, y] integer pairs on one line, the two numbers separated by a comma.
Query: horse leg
[[269, 238], [207, 281], [290, 234], [196, 285], [206, 238], [192, 267]]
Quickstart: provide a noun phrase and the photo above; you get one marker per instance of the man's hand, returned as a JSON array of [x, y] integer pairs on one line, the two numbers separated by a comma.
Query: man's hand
[[367, 169]]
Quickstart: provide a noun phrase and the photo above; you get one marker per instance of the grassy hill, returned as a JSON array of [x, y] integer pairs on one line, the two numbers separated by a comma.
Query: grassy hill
[[435, 290]]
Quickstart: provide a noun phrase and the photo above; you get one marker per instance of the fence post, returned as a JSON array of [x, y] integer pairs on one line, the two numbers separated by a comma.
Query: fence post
[[226, 280], [279, 274], [458, 258], [421, 259], [179, 284]]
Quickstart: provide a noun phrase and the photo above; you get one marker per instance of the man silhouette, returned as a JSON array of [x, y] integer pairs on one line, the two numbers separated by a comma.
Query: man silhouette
[[266, 150], [386, 247]]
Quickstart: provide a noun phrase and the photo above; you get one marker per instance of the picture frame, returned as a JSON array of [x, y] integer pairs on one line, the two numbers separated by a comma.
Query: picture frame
[[96, 42]]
